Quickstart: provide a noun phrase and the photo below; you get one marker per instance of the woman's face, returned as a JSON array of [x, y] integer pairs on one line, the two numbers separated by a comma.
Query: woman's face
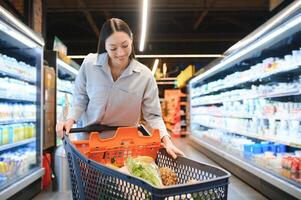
[[119, 48]]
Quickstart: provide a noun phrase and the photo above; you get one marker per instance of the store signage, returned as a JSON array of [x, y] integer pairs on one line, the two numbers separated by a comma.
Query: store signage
[[185, 75], [59, 46]]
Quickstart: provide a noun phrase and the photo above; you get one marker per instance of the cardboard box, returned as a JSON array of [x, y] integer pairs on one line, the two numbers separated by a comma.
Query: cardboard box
[[49, 130]]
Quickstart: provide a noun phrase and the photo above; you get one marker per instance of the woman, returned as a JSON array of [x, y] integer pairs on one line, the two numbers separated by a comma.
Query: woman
[[112, 88]]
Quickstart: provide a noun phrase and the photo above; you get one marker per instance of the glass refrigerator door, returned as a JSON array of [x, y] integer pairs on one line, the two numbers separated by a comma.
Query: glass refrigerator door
[[20, 105], [65, 83]]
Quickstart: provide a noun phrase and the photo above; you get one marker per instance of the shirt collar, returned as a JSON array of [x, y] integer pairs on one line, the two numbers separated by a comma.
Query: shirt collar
[[102, 60]]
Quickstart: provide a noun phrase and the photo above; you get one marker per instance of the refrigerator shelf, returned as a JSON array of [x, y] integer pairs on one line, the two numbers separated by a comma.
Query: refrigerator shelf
[[17, 121], [23, 142], [19, 77]]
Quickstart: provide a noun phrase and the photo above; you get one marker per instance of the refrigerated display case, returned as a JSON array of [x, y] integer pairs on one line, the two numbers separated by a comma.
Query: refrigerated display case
[[245, 109], [21, 53], [65, 77]]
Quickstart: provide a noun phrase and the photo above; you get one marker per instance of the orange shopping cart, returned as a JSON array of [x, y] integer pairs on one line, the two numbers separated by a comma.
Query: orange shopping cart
[[91, 179]]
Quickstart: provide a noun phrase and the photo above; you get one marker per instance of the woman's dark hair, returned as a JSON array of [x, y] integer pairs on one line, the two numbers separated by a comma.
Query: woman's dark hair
[[108, 28]]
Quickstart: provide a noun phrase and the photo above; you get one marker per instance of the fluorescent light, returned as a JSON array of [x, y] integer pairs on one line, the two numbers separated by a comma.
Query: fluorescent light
[[67, 67], [144, 24], [251, 47], [164, 56], [22, 26], [155, 66], [181, 56], [268, 25]]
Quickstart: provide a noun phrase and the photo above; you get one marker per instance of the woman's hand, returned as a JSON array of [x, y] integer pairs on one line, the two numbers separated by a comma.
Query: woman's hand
[[62, 126], [171, 148]]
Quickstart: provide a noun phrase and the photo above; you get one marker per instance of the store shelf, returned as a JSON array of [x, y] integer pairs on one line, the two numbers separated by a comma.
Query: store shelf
[[61, 65], [17, 121], [262, 174], [256, 163], [16, 100], [9, 146], [16, 76], [166, 83], [247, 116], [252, 135], [64, 91], [184, 132], [292, 92], [169, 121], [253, 79], [167, 79], [22, 183]]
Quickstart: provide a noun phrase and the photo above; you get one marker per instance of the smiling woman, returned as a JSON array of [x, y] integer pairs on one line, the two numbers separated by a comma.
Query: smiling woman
[[119, 48], [112, 88]]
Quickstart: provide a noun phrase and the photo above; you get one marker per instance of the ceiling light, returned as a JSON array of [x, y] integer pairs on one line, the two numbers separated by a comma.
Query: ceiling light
[[144, 24], [181, 56], [164, 56]]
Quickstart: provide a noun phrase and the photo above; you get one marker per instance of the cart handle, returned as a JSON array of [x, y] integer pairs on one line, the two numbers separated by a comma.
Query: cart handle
[[101, 127]]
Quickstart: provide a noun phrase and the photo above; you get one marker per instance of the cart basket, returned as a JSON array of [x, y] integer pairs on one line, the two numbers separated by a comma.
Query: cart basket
[[92, 180]]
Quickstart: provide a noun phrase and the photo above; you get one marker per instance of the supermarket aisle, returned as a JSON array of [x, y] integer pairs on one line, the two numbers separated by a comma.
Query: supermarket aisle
[[238, 190]]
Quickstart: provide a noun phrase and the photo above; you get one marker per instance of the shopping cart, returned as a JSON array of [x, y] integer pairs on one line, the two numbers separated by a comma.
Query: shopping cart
[[91, 179]]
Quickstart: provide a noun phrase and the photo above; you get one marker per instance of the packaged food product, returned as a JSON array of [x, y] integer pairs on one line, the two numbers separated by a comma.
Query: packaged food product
[[168, 176]]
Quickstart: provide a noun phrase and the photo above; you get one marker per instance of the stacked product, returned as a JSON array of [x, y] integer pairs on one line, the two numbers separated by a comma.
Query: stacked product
[[265, 154]]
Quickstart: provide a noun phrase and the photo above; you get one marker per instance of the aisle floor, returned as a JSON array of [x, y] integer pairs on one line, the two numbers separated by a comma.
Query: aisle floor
[[238, 190]]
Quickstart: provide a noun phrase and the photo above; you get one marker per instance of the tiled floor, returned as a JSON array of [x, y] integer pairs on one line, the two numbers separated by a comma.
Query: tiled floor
[[238, 190]]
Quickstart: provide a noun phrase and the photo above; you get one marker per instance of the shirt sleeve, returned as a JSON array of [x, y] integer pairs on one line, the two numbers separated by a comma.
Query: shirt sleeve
[[151, 109], [80, 97]]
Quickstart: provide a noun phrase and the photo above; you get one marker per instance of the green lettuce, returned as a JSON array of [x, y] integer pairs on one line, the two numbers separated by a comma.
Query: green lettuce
[[146, 171]]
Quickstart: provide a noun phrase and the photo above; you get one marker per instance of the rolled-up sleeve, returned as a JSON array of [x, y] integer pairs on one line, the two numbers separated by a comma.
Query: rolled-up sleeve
[[80, 97], [151, 109]]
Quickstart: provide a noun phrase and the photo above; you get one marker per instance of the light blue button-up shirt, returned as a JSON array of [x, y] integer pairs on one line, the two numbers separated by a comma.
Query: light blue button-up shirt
[[99, 99]]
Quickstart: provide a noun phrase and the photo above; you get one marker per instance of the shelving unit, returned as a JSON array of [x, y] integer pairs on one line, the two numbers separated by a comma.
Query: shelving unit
[[253, 135], [59, 105], [248, 105], [183, 113], [65, 79], [65, 76], [171, 111], [249, 79], [21, 57]]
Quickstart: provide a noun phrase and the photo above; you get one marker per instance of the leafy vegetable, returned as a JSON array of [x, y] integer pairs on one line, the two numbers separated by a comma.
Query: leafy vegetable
[[144, 170]]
